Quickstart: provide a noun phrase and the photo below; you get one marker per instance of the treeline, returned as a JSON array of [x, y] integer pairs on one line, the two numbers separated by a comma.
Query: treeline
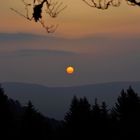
[[82, 121]]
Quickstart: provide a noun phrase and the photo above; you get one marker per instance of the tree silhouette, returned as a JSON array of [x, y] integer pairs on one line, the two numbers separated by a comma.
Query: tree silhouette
[[79, 110], [105, 122], [34, 125], [39, 7], [133, 2], [105, 4], [127, 112], [128, 105], [6, 117], [96, 120], [82, 121], [102, 4], [96, 111], [77, 119], [104, 110]]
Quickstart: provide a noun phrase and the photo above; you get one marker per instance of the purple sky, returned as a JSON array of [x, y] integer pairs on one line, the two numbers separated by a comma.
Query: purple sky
[[36, 59]]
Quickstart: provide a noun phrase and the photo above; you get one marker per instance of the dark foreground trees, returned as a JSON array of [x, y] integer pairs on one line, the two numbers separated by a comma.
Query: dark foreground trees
[[82, 121], [127, 113], [97, 122], [17, 122]]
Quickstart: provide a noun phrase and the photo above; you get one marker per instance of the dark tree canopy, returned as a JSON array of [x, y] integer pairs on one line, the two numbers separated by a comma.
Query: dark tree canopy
[[82, 121], [128, 105]]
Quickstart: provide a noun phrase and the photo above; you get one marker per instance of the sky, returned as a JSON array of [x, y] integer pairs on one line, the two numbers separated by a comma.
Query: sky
[[102, 45]]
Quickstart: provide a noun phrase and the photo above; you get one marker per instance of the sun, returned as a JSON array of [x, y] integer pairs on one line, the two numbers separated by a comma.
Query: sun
[[70, 70]]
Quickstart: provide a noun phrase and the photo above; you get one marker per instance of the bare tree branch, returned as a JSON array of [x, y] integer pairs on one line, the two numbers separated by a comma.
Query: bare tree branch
[[37, 6], [55, 8], [133, 2], [49, 29], [102, 4], [19, 13], [105, 4]]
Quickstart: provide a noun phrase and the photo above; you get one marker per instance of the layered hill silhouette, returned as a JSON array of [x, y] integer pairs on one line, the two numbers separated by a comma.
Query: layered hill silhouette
[[54, 101]]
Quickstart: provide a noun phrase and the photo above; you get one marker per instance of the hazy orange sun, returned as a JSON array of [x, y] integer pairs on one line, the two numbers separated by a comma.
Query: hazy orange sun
[[70, 70]]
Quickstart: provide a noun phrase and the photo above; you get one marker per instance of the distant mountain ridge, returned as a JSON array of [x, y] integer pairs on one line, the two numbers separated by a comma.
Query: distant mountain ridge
[[54, 101]]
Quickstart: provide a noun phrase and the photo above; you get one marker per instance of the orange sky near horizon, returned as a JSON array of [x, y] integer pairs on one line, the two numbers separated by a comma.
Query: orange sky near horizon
[[77, 20], [103, 45]]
